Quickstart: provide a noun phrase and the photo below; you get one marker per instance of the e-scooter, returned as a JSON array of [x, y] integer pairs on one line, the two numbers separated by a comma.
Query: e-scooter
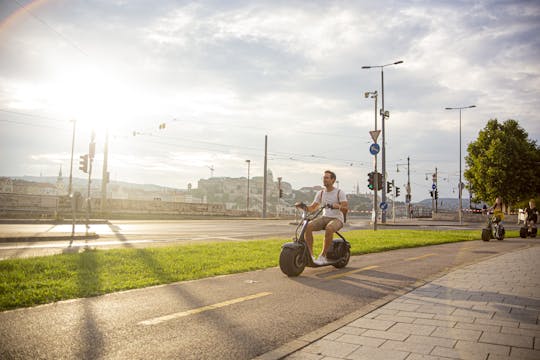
[[494, 229], [295, 255], [529, 229]]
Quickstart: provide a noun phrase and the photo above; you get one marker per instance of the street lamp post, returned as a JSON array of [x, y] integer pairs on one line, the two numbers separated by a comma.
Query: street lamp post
[[460, 186], [247, 198], [383, 147], [373, 94], [408, 186]]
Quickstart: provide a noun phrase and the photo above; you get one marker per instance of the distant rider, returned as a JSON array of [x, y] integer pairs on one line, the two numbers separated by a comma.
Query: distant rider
[[335, 204], [532, 213], [497, 209]]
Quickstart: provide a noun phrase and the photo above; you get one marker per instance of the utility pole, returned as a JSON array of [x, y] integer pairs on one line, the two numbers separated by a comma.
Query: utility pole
[[265, 175], [70, 187], [247, 197], [105, 177], [279, 195], [408, 196], [91, 154]]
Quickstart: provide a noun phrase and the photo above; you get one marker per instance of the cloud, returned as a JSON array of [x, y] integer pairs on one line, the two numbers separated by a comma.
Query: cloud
[[223, 75]]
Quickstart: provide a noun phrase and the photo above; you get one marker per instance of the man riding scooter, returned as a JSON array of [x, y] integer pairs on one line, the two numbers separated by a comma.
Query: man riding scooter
[[336, 205], [529, 228]]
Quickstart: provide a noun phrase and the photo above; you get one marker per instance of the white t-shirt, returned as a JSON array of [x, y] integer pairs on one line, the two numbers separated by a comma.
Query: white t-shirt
[[335, 196]]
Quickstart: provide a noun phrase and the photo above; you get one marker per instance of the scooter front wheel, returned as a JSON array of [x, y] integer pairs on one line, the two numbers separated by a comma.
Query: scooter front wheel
[[292, 261], [486, 234]]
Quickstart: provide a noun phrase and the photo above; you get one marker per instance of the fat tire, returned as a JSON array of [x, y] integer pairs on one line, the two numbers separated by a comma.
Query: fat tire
[[486, 234], [500, 235], [523, 232], [344, 260], [292, 261]]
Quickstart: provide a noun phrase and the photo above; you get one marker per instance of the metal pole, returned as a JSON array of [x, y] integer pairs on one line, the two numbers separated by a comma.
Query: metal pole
[[105, 177], [437, 190], [247, 198], [70, 187], [393, 202], [88, 194], [383, 165], [279, 193], [459, 192], [375, 177], [408, 187], [90, 161], [265, 175]]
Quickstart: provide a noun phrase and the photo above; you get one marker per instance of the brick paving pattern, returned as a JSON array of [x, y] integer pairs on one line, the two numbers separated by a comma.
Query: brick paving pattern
[[485, 311]]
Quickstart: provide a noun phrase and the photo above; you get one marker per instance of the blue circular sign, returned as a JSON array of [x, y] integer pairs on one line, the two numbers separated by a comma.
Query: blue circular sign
[[433, 186], [383, 205], [374, 149]]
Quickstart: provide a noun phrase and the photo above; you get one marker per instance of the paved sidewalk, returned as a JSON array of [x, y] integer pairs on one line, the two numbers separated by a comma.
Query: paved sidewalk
[[488, 310]]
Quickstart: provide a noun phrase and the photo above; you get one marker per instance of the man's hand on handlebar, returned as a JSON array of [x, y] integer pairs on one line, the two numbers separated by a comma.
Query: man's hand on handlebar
[[300, 205]]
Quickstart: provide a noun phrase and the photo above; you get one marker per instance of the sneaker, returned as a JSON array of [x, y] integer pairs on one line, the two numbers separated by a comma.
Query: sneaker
[[321, 260]]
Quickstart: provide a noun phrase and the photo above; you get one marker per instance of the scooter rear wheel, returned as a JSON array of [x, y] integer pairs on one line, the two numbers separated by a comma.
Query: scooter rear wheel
[[344, 260], [292, 261], [523, 232], [500, 233]]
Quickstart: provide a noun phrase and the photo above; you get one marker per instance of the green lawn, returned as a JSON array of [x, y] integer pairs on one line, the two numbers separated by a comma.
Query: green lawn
[[32, 281]]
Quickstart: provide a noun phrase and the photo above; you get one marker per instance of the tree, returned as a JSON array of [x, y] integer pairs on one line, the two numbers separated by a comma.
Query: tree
[[503, 162]]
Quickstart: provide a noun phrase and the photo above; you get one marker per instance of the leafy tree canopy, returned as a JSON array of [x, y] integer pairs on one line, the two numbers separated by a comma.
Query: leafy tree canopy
[[503, 162]]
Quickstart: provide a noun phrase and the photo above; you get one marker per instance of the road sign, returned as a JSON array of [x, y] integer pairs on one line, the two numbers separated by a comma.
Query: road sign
[[433, 186], [374, 149], [383, 205], [375, 134]]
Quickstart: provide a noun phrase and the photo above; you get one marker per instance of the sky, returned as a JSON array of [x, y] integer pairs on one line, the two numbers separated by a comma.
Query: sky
[[222, 75]]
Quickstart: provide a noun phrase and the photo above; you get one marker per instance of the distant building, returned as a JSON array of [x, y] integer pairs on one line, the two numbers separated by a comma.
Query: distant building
[[6, 185], [232, 192]]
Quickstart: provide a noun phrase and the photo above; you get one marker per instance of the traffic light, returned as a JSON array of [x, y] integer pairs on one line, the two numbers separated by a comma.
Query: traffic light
[[371, 180], [379, 181], [388, 187], [431, 193], [397, 191], [280, 193], [83, 163], [436, 194]]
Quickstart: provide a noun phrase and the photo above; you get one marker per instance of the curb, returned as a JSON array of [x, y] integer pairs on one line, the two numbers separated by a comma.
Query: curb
[[90, 236]]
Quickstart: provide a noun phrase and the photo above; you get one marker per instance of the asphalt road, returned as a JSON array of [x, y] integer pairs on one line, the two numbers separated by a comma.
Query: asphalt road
[[237, 316], [117, 234]]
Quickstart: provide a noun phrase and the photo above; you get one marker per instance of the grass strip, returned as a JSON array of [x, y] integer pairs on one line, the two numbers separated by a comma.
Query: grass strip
[[40, 280]]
